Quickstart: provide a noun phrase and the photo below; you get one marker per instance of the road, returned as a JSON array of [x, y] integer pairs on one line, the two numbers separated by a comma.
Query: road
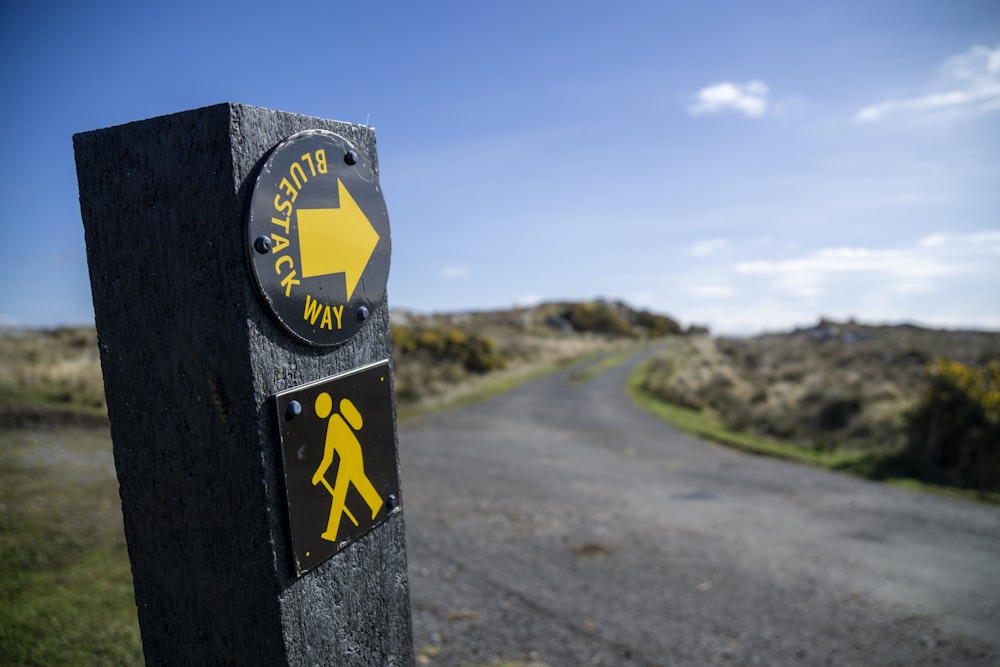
[[559, 524]]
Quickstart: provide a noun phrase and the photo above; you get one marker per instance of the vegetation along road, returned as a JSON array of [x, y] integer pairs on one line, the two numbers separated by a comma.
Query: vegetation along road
[[559, 524]]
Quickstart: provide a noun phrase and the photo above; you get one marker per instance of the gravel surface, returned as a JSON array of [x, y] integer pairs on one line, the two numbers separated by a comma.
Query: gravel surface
[[559, 524]]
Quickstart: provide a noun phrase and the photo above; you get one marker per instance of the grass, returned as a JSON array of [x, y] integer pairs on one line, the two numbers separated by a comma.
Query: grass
[[56, 367], [836, 387], [607, 363], [499, 383], [64, 570], [708, 426]]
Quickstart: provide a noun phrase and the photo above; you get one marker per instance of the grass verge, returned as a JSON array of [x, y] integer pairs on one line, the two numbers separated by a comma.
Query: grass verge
[[860, 464], [65, 579], [589, 372], [499, 383], [706, 426]]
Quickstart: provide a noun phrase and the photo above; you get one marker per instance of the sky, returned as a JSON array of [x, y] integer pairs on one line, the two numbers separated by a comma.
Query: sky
[[749, 166]]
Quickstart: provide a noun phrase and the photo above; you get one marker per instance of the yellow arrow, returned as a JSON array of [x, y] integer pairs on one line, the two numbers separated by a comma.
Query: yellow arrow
[[336, 240]]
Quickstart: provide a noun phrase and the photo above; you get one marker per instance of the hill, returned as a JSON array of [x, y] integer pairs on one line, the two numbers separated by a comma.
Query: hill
[[55, 374]]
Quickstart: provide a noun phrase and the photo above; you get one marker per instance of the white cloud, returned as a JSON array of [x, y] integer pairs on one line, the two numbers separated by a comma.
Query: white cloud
[[944, 279], [988, 240], [750, 99], [908, 270], [973, 84], [705, 248], [454, 273], [527, 300]]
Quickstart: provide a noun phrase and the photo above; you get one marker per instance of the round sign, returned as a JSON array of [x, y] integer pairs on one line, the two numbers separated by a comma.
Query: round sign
[[318, 237]]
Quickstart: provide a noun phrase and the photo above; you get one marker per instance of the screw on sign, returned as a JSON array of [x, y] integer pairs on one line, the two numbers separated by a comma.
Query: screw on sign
[[318, 237]]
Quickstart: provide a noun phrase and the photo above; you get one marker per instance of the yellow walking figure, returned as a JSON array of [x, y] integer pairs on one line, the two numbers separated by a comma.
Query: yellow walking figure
[[341, 440]]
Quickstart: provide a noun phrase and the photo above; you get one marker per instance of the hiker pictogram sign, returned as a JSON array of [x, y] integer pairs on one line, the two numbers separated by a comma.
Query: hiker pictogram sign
[[318, 237], [338, 450]]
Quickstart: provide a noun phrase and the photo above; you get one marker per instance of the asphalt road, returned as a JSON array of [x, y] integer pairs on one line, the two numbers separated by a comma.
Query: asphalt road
[[559, 524]]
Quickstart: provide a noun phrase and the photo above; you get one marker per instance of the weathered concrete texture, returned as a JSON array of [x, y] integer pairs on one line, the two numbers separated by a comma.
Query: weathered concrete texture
[[191, 359]]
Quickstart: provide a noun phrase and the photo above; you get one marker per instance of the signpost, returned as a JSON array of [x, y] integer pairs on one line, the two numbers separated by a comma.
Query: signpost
[[238, 260]]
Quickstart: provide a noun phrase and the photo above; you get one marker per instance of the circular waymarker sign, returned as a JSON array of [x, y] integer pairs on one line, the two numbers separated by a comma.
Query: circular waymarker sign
[[318, 237]]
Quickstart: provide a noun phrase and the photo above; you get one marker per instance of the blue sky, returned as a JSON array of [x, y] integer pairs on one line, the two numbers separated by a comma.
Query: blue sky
[[750, 166]]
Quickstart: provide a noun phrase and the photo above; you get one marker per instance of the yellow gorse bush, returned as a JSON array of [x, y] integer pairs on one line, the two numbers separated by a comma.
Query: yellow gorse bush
[[981, 385], [475, 353]]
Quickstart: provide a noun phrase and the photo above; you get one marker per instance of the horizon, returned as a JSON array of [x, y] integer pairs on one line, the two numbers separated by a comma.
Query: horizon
[[797, 326], [791, 328], [750, 169]]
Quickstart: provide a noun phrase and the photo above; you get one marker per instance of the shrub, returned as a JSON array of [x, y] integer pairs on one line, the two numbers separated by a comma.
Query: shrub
[[953, 433], [597, 317], [657, 325], [481, 357], [474, 353], [403, 339], [831, 409], [432, 341], [661, 380]]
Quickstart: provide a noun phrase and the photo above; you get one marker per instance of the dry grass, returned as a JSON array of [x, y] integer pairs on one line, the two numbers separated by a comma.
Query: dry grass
[[523, 341], [437, 358], [833, 388], [58, 367]]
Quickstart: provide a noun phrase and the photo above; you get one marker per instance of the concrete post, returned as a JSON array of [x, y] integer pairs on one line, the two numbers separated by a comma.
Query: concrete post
[[193, 362]]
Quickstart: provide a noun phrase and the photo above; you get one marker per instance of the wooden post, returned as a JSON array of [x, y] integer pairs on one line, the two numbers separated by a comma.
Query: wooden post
[[194, 363]]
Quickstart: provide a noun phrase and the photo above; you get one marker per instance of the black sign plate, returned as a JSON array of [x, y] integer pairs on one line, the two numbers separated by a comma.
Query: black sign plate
[[338, 450], [318, 237]]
